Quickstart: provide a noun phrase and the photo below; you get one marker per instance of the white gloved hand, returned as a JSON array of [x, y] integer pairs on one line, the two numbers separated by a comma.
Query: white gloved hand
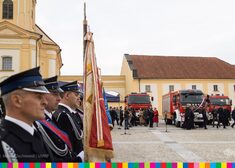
[[81, 155]]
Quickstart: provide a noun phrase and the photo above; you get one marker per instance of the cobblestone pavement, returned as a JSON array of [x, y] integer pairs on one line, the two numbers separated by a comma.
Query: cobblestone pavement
[[155, 144]]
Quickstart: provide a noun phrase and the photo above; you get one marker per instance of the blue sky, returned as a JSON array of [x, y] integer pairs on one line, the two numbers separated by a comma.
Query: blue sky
[[142, 27]]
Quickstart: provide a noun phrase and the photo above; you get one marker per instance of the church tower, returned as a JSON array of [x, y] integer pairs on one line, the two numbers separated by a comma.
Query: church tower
[[23, 44], [19, 12]]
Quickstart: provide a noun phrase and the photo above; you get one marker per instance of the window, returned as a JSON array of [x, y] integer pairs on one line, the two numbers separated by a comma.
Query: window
[[134, 73], [7, 11], [147, 88], [171, 88], [7, 63], [194, 87], [215, 88]]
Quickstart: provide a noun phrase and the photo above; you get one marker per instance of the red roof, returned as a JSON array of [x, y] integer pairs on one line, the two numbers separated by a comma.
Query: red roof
[[177, 67]]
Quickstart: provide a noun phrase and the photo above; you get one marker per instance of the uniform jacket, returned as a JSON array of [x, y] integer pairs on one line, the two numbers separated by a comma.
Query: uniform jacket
[[80, 117], [70, 123], [61, 151], [19, 145]]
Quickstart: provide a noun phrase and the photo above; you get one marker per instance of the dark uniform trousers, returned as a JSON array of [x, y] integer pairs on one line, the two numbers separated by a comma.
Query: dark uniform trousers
[[18, 145], [63, 117]]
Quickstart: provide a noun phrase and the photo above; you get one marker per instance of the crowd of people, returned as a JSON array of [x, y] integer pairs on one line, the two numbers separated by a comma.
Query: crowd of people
[[42, 121], [131, 117], [220, 115]]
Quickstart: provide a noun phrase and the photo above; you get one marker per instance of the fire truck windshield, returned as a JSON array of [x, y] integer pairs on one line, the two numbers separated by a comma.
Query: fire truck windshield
[[191, 98], [138, 99], [220, 101]]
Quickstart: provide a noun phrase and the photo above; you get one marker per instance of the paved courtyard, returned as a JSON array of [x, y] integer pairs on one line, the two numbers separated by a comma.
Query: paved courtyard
[[144, 144]]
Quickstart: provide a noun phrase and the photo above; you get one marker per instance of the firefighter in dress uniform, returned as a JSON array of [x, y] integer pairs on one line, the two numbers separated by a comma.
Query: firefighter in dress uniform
[[24, 99], [57, 140], [189, 117], [67, 119], [79, 110]]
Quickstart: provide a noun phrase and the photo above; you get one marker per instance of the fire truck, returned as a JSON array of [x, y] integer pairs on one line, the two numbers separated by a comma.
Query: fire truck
[[174, 105], [218, 100], [138, 100]]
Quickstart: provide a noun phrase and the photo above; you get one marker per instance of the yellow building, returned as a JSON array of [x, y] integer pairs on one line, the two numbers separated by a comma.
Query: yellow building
[[158, 75], [23, 45]]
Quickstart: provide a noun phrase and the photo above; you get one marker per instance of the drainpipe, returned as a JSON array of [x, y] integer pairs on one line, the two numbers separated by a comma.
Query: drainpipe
[[139, 84], [37, 50]]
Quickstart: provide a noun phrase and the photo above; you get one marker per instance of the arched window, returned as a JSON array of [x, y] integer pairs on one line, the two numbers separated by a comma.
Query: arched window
[[6, 63], [7, 9]]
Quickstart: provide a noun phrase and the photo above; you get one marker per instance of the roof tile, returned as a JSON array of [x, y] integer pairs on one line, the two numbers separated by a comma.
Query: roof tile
[[176, 67]]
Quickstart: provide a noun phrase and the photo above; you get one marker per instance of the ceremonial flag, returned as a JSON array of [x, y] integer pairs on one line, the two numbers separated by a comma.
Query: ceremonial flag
[[97, 136]]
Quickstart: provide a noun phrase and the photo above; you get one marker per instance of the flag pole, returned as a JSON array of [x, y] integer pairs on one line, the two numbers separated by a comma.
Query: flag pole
[[84, 52], [84, 31]]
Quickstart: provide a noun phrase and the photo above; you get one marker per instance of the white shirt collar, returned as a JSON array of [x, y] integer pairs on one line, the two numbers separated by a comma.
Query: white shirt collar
[[22, 124], [71, 110], [48, 114]]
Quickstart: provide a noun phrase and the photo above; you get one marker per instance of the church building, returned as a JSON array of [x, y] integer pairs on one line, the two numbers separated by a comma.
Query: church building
[[23, 44]]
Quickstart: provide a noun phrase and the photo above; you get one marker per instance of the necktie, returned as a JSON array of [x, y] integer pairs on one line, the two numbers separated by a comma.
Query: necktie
[[37, 135]]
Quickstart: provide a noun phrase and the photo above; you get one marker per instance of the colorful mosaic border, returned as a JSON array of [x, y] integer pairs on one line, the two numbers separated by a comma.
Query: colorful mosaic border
[[121, 165]]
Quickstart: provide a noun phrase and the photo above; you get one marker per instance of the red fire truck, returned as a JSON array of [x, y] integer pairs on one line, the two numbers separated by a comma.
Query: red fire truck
[[138, 100], [174, 105], [218, 100]]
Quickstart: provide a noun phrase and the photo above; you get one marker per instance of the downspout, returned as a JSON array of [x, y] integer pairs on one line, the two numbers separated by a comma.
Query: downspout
[[139, 84], [37, 50]]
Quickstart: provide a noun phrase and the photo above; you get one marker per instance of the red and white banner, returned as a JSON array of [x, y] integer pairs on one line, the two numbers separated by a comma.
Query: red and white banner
[[97, 137]]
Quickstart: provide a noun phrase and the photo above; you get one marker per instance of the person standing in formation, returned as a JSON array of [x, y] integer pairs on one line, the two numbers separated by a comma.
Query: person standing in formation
[[67, 119], [121, 115], [222, 117], [151, 115], [57, 140], [233, 116], [126, 118], [155, 118], [24, 99]]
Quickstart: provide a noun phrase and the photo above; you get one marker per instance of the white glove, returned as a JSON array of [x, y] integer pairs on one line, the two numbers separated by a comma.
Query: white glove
[[81, 155]]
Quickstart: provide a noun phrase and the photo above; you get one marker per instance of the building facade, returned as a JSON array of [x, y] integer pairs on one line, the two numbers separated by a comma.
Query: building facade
[[23, 45], [158, 75]]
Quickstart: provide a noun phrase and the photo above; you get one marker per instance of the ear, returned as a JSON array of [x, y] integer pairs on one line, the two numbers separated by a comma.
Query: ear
[[17, 100], [66, 95]]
